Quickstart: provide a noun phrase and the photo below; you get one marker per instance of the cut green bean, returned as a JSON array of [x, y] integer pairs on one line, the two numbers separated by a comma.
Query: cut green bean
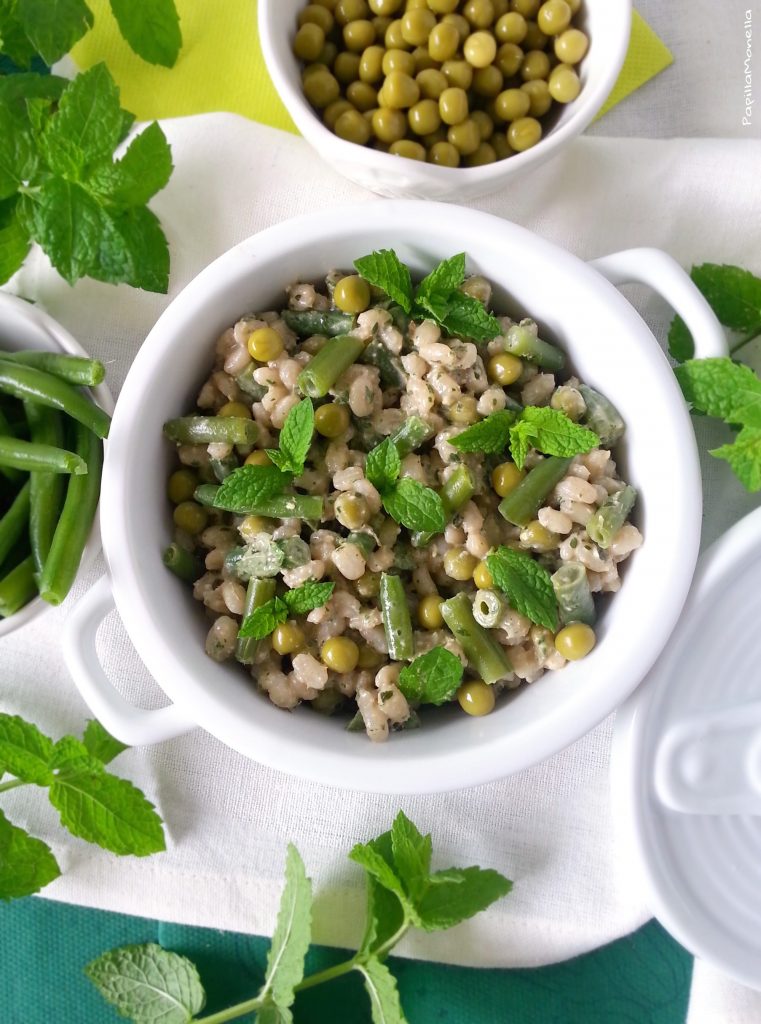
[[395, 612], [17, 588], [392, 373], [14, 522], [47, 490], [39, 458], [222, 468], [457, 490], [245, 381], [323, 369], [258, 593], [521, 341], [400, 319], [488, 608], [27, 382], [282, 506], [413, 433], [75, 522], [306, 322], [182, 563], [485, 656], [575, 601], [605, 523], [521, 505], [601, 416], [211, 430], [76, 370]]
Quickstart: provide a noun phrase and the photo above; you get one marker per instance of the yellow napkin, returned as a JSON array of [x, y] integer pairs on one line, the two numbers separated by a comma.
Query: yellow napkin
[[221, 66]]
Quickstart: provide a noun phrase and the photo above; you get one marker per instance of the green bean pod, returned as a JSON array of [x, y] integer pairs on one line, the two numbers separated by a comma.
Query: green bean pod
[[520, 341], [17, 588], [76, 370], [306, 322], [397, 622], [27, 382], [245, 381], [46, 489], [601, 416], [75, 522], [323, 369], [605, 523], [282, 506], [40, 458], [521, 505], [413, 433], [182, 563], [488, 608], [484, 654], [13, 523], [457, 490], [211, 430], [575, 601], [259, 591], [392, 373]]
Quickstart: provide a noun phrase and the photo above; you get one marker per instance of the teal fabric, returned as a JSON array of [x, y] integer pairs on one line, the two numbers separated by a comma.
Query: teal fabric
[[642, 979]]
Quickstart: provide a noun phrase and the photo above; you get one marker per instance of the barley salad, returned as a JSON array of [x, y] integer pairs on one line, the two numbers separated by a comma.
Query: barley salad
[[390, 497]]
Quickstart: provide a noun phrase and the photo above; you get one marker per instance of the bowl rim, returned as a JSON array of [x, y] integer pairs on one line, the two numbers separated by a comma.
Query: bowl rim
[[131, 584], [587, 106], [64, 342]]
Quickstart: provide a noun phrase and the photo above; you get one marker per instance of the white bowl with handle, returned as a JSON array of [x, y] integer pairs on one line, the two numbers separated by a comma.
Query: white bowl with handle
[[606, 22], [25, 326], [609, 346]]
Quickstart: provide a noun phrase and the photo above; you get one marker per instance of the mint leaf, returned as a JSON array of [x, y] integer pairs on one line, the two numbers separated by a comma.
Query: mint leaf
[[100, 743], [290, 943], [66, 222], [380, 985], [467, 318], [24, 751], [747, 411], [18, 156], [295, 438], [744, 456], [370, 856], [14, 239], [385, 915], [681, 344], [457, 894], [14, 42], [415, 506], [490, 436], [26, 864], [272, 1014], [412, 855], [87, 125], [718, 386], [263, 620], [550, 432], [133, 250], [248, 486], [54, 26], [142, 172], [309, 595], [433, 678], [71, 757], [148, 984], [151, 29], [383, 465], [732, 293], [107, 811], [526, 583], [442, 281], [385, 270]]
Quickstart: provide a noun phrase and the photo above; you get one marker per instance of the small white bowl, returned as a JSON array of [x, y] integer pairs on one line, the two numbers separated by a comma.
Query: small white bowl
[[608, 345], [24, 326], [607, 23]]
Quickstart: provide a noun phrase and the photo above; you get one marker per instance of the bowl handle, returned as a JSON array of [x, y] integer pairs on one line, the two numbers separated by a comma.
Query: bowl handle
[[131, 725], [663, 274]]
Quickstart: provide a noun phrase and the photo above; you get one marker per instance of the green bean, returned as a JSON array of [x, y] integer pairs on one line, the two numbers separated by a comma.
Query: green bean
[[258, 593], [392, 373], [364, 542], [75, 522], [306, 322], [400, 319], [601, 416], [6, 430], [47, 489], [488, 608], [521, 505], [245, 381], [411, 435], [211, 430], [13, 523], [521, 341], [282, 506], [27, 382], [74, 370], [182, 562], [457, 490], [484, 654], [395, 613], [575, 601], [40, 458], [222, 468], [605, 523], [17, 588], [323, 369]]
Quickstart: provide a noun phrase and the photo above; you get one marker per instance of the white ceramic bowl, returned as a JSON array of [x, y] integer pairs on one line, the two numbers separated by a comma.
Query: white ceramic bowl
[[608, 24], [609, 346], [23, 325]]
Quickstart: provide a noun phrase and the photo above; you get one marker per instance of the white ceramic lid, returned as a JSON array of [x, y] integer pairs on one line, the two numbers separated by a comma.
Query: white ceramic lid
[[686, 767]]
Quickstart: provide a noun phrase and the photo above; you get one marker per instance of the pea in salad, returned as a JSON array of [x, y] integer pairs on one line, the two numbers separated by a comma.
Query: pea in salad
[[390, 496]]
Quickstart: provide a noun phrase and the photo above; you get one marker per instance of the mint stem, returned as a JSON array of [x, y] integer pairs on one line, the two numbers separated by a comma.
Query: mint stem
[[11, 784], [327, 975], [755, 333], [249, 1006]]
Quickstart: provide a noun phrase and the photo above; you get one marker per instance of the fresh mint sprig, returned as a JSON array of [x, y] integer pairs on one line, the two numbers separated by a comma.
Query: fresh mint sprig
[[148, 984], [526, 584], [489, 436], [432, 678], [408, 502], [298, 601], [92, 803], [385, 270], [733, 294], [295, 439], [551, 432]]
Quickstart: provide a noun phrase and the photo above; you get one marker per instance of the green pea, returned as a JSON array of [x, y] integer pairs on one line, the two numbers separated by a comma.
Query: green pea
[[536, 64], [398, 60], [417, 25], [453, 106], [465, 137], [321, 88], [358, 35], [444, 41], [485, 154], [511, 28], [444, 154], [371, 64], [488, 81], [432, 83], [400, 90], [333, 111], [317, 15], [424, 117], [538, 93], [389, 125], [458, 73], [524, 133], [346, 67], [407, 148], [308, 42], [512, 104], [350, 10], [485, 124], [509, 59]]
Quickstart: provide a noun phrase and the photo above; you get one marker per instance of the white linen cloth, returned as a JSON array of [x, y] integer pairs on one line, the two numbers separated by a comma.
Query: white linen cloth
[[227, 818]]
